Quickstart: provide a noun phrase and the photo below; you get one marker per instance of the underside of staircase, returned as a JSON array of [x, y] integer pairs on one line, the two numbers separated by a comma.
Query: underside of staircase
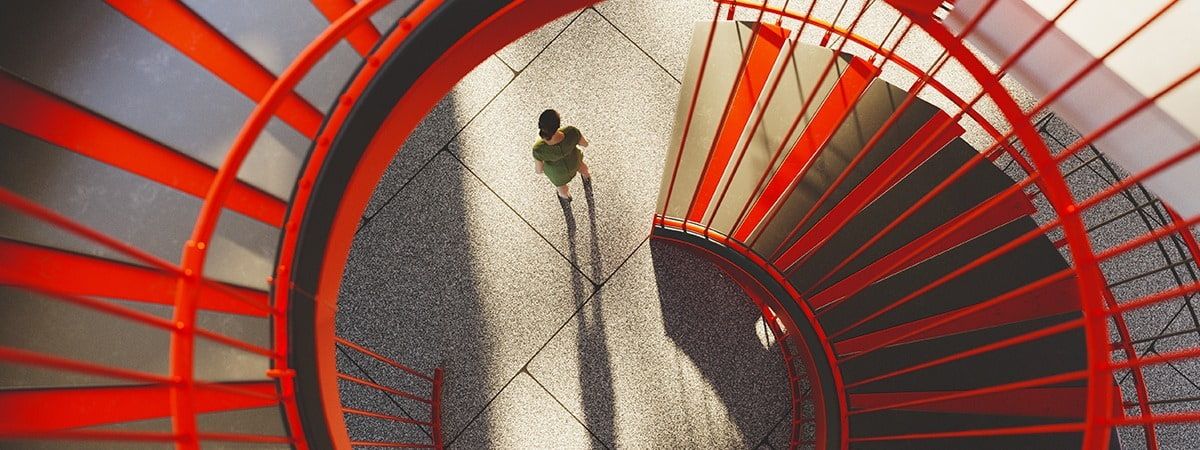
[[821, 172]]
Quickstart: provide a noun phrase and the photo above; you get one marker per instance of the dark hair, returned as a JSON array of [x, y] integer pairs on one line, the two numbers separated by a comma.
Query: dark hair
[[548, 123]]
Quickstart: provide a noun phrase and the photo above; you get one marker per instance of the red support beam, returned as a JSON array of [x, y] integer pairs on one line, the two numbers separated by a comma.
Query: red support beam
[[764, 50], [1058, 297], [828, 118], [930, 138], [71, 273], [363, 38], [50, 118], [38, 410], [182, 28], [1056, 402], [958, 230]]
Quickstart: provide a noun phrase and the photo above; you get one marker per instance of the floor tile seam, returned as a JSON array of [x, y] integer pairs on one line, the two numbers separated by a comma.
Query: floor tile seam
[[635, 44], [1185, 376], [625, 260], [766, 439], [574, 266], [506, 64], [524, 366], [370, 217], [446, 146], [387, 395], [567, 410], [467, 426], [551, 42]]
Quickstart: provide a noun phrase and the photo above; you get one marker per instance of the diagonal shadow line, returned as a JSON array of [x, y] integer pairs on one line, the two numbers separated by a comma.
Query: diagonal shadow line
[[568, 411], [445, 146], [538, 351]]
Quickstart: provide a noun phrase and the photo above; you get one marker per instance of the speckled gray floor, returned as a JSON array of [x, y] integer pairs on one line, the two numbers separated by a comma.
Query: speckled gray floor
[[564, 327], [556, 327]]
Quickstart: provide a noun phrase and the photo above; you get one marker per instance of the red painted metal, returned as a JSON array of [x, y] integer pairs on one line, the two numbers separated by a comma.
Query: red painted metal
[[915, 151], [1058, 297], [363, 38], [990, 390], [924, 77], [931, 239], [1058, 402], [182, 28], [35, 359], [33, 209], [505, 26], [41, 114], [951, 234], [829, 116], [383, 388], [1096, 434], [38, 410], [1032, 429], [810, 317], [1028, 337], [71, 273], [687, 123], [382, 359], [778, 322], [385, 416], [766, 43]]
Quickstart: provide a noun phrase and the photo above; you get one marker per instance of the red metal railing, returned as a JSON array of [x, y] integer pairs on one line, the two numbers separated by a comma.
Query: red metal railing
[[79, 280], [1100, 304]]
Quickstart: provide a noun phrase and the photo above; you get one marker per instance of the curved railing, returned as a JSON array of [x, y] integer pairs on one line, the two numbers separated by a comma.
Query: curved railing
[[437, 42], [1042, 173]]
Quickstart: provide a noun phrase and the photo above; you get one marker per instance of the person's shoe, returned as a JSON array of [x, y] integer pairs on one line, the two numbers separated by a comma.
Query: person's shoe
[[562, 199], [587, 182]]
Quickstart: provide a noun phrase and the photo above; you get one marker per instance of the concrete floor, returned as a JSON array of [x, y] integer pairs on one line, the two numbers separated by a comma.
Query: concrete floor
[[557, 327]]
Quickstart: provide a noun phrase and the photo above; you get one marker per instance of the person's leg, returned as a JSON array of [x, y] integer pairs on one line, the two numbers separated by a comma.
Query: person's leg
[[564, 192], [583, 170]]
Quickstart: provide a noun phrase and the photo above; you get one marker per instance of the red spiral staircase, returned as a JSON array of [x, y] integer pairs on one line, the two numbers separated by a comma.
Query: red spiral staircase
[[936, 274]]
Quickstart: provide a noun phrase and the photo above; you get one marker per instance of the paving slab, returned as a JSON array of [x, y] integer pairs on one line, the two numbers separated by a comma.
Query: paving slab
[[620, 100], [666, 355], [449, 116], [518, 54], [525, 416], [447, 276]]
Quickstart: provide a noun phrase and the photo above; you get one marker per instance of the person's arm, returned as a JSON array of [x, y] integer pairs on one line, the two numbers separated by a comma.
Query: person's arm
[[581, 141]]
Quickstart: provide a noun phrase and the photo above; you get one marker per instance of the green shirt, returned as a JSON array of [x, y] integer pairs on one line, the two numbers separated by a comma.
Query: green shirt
[[561, 159]]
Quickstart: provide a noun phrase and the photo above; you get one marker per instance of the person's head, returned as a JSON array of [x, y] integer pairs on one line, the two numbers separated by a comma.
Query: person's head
[[548, 123]]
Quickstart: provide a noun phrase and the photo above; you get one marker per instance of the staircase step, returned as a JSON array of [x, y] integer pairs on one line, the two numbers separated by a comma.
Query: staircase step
[[843, 202], [979, 184], [1050, 402], [764, 50], [1007, 272], [901, 423], [1055, 298], [1055, 354], [835, 143], [694, 130], [855, 82], [802, 79]]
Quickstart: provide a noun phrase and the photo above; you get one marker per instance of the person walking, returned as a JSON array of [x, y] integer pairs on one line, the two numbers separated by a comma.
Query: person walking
[[558, 155]]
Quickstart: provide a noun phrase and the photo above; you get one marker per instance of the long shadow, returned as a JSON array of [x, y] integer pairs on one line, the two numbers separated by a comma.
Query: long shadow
[[409, 293], [595, 368], [714, 323]]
